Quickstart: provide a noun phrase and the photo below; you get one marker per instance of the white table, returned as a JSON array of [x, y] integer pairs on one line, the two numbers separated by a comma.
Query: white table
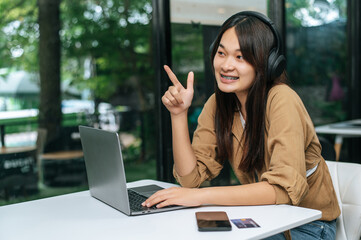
[[341, 130], [79, 216]]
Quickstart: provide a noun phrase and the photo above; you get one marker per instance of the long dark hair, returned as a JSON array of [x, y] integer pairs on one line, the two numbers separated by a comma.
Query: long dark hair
[[255, 40]]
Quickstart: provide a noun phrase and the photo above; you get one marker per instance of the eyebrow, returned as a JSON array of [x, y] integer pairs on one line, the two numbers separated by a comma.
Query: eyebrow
[[220, 45]]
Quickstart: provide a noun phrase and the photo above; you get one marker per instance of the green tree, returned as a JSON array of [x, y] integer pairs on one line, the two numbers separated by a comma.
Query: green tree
[[105, 46], [29, 40], [49, 67], [19, 32], [113, 40], [113, 37]]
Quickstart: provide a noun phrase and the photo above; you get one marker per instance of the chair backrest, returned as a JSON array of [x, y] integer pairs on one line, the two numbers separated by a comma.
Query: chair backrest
[[346, 178]]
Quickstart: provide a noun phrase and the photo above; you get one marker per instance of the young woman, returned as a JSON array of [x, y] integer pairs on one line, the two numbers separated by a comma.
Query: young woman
[[257, 123]]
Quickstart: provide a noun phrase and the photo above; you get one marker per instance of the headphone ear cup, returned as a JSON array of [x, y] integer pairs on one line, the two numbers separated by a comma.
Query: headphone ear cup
[[276, 65]]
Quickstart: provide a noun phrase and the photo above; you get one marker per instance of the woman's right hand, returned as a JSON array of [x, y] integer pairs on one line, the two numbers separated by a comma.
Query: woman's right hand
[[178, 99]]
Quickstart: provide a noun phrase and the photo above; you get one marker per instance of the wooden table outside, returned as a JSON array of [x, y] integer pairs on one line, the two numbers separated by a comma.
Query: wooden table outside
[[63, 155], [62, 168], [341, 130], [7, 150]]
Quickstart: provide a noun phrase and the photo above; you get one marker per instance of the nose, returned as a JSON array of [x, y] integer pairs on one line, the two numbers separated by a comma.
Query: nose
[[228, 64]]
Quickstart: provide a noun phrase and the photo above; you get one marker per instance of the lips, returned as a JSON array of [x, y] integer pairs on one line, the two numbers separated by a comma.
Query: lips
[[228, 79]]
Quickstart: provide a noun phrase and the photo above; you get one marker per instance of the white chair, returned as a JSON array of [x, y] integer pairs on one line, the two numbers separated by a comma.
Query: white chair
[[346, 178]]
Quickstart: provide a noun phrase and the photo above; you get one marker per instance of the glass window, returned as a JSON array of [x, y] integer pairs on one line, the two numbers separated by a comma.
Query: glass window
[[194, 26], [107, 80], [317, 55]]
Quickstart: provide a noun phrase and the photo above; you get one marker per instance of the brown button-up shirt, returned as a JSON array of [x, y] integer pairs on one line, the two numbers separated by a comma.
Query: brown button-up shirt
[[291, 148]]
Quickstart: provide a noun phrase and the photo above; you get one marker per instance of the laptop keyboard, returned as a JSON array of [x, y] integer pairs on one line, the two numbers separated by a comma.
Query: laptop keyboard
[[136, 200]]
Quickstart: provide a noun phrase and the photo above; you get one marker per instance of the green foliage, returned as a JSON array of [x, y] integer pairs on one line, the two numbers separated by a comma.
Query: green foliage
[[320, 50], [291, 8], [332, 111], [187, 48], [294, 6], [18, 34], [132, 152], [109, 40], [136, 171], [187, 55], [115, 37]]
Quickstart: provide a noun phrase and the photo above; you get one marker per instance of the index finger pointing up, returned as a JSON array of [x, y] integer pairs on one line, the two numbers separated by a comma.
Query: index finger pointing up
[[190, 80], [173, 77]]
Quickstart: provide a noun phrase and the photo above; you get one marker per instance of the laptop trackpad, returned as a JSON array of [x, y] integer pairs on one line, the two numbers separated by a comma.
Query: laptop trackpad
[[147, 190]]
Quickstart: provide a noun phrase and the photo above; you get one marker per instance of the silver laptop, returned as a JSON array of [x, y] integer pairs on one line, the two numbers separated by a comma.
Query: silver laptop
[[106, 174]]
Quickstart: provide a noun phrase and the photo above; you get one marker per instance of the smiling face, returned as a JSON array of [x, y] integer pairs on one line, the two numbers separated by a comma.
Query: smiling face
[[233, 73]]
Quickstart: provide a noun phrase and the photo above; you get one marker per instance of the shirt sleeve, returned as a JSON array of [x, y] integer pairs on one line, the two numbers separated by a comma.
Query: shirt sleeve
[[286, 146], [204, 145]]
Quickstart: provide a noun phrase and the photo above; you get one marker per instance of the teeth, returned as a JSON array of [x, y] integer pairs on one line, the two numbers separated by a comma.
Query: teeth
[[229, 78]]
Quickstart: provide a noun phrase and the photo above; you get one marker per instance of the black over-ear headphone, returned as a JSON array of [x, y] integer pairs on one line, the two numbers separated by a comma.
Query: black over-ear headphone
[[276, 60]]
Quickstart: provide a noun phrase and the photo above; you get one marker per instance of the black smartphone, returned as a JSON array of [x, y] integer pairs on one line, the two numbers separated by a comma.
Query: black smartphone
[[213, 221]]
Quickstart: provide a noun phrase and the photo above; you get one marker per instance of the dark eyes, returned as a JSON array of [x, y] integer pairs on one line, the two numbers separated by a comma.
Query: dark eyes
[[222, 54]]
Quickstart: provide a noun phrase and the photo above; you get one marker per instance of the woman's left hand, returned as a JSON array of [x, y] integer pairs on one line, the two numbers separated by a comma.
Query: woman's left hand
[[174, 196]]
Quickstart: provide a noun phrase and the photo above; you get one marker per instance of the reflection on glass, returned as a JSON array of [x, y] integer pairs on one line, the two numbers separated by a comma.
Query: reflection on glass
[[316, 56]]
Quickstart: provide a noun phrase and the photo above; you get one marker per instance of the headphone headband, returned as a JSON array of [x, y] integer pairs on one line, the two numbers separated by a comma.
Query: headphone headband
[[266, 21]]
